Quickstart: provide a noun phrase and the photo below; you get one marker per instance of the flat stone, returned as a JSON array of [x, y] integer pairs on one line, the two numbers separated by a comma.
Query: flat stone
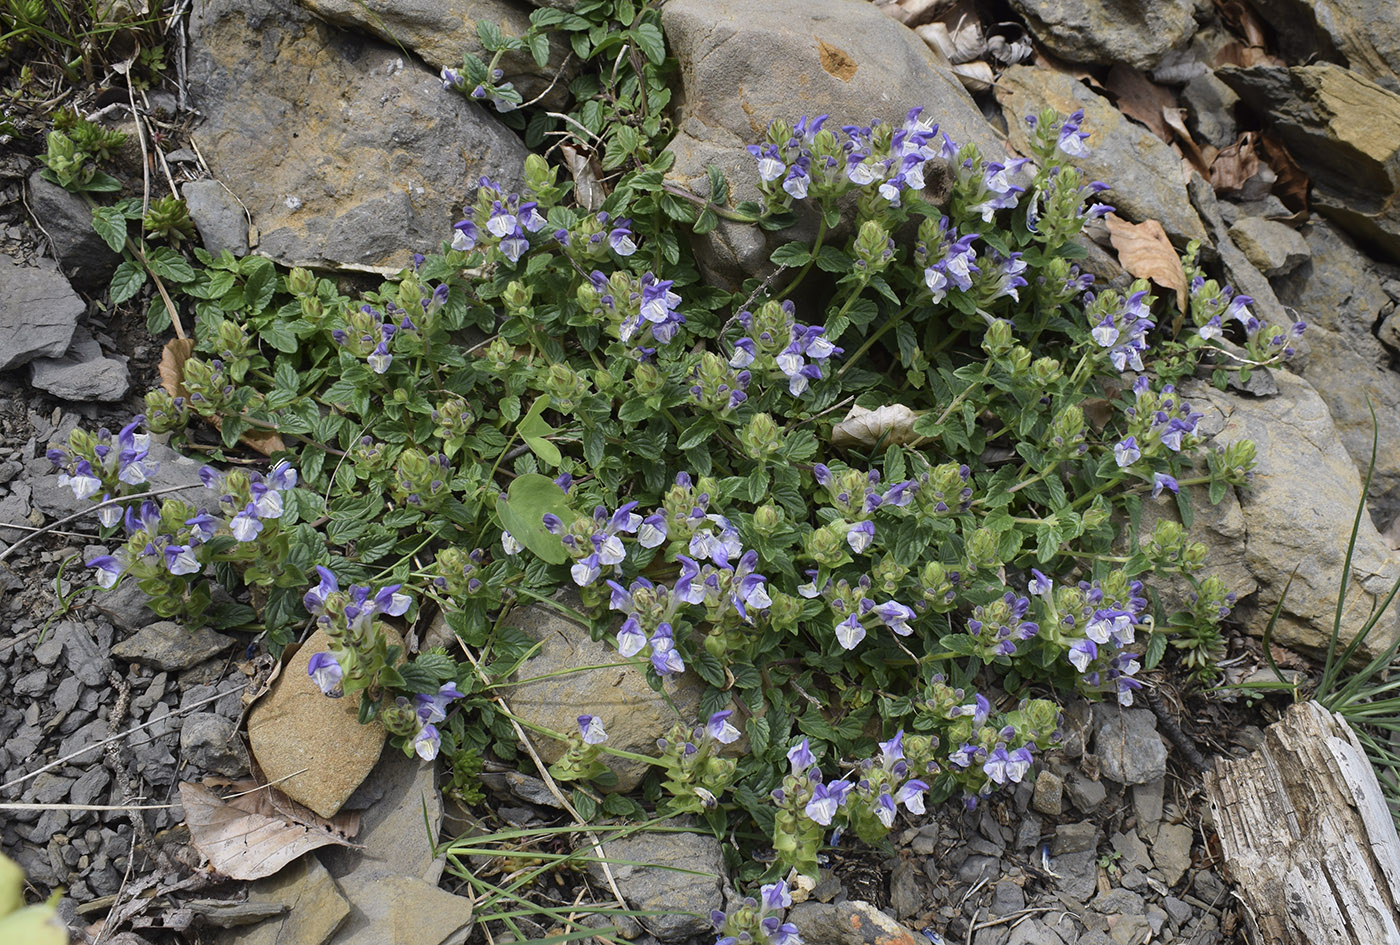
[[1272, 247], [394, 825], [90, 785], [634, 714], [31, 683], [126, 605], [684, 899], [83, 374], [1145, 175], [1049, 793], [1007, 897], [978, 867], [312, 746], [1179, 910], [1171, 851], [39, 312], [1075, 838], [1085, 794], [1033, 932], [168, 646], [83, 256], [211, 742], [315, 907], [1361, 34], [80, 649], [1147, 805], [217, 216], [852, 922], [1210, 106], [1130, 930], [1079, 874], [1139, 33], [1127, 744], [372, 161], [1132, 852]]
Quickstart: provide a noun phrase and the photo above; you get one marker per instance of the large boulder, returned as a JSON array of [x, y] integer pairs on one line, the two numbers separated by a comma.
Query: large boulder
[[1136, 32], [1146, 176], [1363, 35], [346, 152], [746, 63], [1298, 512], [439, 31], [1344, 130]]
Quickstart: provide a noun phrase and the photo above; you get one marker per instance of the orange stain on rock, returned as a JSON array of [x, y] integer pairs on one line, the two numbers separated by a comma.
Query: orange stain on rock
[[836, 61]]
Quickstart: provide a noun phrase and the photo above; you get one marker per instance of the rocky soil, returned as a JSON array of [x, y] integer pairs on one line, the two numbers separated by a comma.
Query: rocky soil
[[1267, 132]]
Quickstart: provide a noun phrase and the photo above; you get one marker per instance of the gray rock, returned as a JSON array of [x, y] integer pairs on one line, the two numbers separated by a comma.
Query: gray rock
[[1049, 793], [31, 684], [210, 742], [39, 312], [1210, 106], [978, 867], [925, 841], [399, 169], [1075, 838], [848, 923], [1273, 248], [1078, 874], [315, 907], [1178, 910], [48, 651], [218, 217], [83, 374], [1156, 919], [1033, 932], [905, 896], [1137, 32], [399, 801], [168, 646], [1298, 513], [684, 900], [1171, 851], [1147, 805], [92, 783], [1117, 902], [1145, 174], [126, 605], [1130, 930], [1127, 744], [84, 659], [1085, 794], [65, 697], [84, 257], [742, 63], [48, 788], [1361, 34], [172, 470], [1344, 131], [634, 714], [1007, 897], [1028, 833], [1132, 852], [440, 31]]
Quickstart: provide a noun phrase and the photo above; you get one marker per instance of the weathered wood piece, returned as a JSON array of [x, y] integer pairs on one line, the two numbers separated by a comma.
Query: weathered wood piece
[[1307, 836]]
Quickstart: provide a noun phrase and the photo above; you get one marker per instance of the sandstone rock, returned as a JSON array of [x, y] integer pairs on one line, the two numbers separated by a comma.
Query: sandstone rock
[[39, 312], [168, 646], [634, 714], [1361, 34], [401, 802], [1342, 300], [1145, 174], [852, 922], [1171, 852], [1210, 106], [84, 257], [312, 746], [1137, 32], [83, 374], [1344, 131], [1298, 512], [217, 215], [745, 63], [364, 158], [1273, 248], [316, 908], [387, 908], [439, 31], [685, 899]]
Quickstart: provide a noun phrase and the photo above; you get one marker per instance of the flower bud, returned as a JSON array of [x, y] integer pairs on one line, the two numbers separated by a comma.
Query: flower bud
[[301, 282], [648, 379], [517, 298], [565, 386], [888, 573], [873, 247], [761, 437], [1067, 431], [982, 549], [1046, 371], [399, 718], [166, 414], [827, 545], [998, 339], [767, 519]]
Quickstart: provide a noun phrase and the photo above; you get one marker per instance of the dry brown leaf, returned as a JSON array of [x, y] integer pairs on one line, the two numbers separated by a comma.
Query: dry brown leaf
[[1144, 250], [890, 425], [1242, 19], [959, 41], [256, 834], [975, 76], [172, 378], [587, 173], [1175, 120], [1235, 53], [1235, 165], [1140, 98], [1292, 183]]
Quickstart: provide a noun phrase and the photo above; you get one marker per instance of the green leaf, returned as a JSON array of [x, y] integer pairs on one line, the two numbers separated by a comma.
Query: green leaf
[[110, 224], [157, 316], [533, 430], [126, 281], [280, 335], [521, 512], [650, 42], [539, 49], [260, 282], [1156, 646], [792, 254], [168, 264]]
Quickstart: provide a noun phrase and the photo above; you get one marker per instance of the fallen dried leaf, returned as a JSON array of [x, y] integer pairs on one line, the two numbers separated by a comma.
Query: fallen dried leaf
[[1292, 183], [1141, 99], [587, 173], [1175, 120], [892, 424], [1235, 53], [256, 834], [1144, 250], [975, 76], [1235, 165], [960, 42], [172, 378]]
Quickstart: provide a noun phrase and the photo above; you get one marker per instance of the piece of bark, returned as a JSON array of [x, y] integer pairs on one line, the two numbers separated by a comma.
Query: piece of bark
[[1306, 834]]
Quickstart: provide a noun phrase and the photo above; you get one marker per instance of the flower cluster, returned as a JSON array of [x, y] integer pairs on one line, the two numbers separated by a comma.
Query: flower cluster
[[359, 651], [500, 94], [758, 921], [498, 222], [590, 239], [999, 626], [630, 305], [774, 340], [695, 775], [982, 752], [1157, 421], [1120, 325], [1098, 622], [102, 466], [580, 760], [1213, 306]]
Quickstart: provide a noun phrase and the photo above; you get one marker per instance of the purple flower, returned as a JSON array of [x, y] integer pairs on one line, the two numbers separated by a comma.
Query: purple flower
[[721, 729], [1126, 453], [590, 729], [433, 708], [326, 673], [826, 798], [860, 536], [630, 638], [665, 658], [464, 235], [776, 896], [315, 599], [1162, 481], [800, 755], [896, 616], [109, 570], [1082, 653], [849, 632], [620, 239], [427, 742], [389, 601], [180, 559], [246, 525], [587, 571], [911, 795]]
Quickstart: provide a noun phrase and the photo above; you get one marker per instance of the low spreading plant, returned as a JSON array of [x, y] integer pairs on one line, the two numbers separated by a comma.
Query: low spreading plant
[[882, 609]]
